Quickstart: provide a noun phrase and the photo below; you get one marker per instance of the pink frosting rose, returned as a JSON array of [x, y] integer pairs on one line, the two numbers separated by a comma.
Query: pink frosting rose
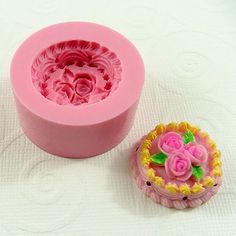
[[196, 153], [178, 167], [170, 142]]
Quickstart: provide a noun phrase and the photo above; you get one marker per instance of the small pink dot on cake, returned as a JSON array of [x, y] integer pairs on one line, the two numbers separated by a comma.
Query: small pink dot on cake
[[177, 165]]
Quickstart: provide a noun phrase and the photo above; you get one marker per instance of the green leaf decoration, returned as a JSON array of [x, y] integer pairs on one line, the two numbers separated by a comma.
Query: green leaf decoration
[[159, 158], [197, 172], [188, 137]]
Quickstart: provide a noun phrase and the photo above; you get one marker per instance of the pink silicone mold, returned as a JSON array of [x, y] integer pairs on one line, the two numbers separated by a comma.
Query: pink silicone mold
[[76, 87]]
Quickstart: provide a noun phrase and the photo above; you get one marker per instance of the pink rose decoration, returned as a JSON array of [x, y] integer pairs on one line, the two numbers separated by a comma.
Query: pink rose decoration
[[75, 89], [83, 87], [178, 167], [196, 153], [170, 142]]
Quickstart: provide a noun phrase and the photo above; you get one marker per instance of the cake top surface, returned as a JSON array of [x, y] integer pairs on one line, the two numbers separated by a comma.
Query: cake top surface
[[180, 158]]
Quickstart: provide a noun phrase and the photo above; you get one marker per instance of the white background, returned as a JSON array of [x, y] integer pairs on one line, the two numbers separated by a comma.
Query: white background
[[189, 50]]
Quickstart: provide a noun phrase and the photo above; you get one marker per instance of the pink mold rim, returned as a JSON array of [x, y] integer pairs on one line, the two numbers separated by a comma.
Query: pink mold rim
[[86, 122], [132, 73]]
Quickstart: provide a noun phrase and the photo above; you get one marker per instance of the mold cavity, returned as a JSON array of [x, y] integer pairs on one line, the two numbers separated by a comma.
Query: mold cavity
[[76, 72]]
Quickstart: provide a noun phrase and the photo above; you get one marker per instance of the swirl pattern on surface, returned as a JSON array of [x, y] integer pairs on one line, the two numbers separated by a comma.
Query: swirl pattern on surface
[[39, 186]]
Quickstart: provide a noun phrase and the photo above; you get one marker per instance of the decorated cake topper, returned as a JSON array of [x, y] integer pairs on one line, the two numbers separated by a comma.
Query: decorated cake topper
[[180, 163]]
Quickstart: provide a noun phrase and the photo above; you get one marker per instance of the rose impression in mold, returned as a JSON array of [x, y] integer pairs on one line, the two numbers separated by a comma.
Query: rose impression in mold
[[76, 72]]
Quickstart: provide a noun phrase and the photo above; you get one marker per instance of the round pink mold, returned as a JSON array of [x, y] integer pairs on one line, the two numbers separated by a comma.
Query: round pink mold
[[76, 87]]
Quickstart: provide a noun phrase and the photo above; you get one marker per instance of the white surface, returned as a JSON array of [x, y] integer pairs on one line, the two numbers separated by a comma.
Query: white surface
[[189, 49]]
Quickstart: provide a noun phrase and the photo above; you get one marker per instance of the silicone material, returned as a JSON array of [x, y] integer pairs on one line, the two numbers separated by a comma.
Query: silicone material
[[76, 87]]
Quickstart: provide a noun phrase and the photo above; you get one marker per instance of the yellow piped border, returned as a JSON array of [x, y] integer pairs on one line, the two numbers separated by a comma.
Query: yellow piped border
[[185, 189]]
